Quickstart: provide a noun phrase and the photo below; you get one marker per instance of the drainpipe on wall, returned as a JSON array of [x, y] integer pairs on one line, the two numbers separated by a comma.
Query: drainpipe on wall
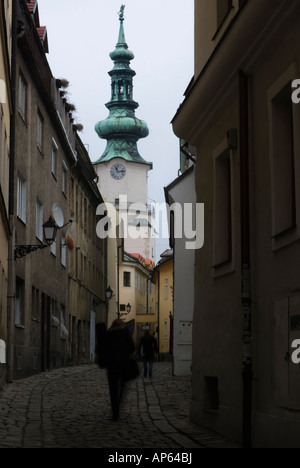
[[245, 260]]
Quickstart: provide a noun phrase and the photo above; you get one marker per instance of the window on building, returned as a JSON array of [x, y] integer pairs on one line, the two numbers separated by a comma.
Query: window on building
[[63, 251], [166, 288], [72, 197], [63, 314], [19, 310], [53, 248], [222, 211], [64, 178], [40, 131], [39, 221], [283, 162], [54, 157], [22, 97], [126, 279], [21, 199]]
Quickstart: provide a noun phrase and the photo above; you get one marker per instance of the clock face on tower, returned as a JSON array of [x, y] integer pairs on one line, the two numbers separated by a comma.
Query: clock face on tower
[[118, 171]]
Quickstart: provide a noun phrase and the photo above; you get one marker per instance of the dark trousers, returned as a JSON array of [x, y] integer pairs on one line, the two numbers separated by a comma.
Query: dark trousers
[[147, 362], [116, 388]]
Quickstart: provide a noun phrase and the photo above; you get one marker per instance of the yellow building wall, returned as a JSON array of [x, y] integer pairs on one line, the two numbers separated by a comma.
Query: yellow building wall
[[164, 282], [141, 297]]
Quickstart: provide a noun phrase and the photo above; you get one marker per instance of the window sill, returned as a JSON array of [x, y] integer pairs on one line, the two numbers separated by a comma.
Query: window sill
[[223, 269], [23, 119], [40, 151], [285, 239], [222, 23], [21, 221]]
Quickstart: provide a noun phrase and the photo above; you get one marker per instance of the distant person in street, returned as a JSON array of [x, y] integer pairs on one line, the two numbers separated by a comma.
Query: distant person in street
[[148, 348], [119, 348]]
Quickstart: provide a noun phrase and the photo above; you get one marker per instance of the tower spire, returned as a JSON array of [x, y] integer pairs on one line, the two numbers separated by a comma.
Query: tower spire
[[122, 129]]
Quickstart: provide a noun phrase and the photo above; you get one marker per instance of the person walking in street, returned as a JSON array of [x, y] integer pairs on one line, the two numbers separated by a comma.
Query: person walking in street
[[148, 347], [119, 347]]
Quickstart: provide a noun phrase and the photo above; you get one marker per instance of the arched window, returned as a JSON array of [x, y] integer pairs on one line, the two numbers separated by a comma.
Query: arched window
[[121, 87]]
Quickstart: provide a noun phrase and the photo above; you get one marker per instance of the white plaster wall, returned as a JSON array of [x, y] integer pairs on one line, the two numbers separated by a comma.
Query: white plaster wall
[[183, 192]]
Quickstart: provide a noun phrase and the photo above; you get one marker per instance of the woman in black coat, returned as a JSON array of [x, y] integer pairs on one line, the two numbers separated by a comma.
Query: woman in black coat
[[118, 349]]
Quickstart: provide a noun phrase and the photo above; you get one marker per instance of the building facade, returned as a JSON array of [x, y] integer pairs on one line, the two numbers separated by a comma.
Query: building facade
[[5, 114], [137, 290], [239, 114], [56, 293], [163, 279], [87, 267], [179, 193]]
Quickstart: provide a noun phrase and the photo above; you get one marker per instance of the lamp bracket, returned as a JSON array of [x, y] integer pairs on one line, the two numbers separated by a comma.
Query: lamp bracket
[[23, 250]]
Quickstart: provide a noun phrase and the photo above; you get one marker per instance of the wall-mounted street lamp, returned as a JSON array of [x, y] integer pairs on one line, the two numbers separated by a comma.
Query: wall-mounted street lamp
[[49, 230], [108, 293], [128, 310]]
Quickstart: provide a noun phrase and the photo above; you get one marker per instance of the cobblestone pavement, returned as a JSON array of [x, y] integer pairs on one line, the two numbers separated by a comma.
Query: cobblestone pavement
[[66, 408]]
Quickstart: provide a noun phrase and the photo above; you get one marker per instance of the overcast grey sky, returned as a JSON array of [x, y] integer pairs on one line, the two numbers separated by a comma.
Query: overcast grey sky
[[160, 33]]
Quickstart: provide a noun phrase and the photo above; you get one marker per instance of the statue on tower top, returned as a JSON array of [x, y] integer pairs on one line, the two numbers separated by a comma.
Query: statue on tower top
[[121, 13]]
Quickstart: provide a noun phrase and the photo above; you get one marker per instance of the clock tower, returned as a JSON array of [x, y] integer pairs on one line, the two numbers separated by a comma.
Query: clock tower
[[121, 169]]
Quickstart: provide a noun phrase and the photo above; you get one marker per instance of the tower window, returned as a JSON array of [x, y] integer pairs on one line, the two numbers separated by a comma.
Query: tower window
[[121, 87]]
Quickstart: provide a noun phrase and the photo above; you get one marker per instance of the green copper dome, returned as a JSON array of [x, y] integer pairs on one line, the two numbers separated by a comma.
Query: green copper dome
[[122, 129]]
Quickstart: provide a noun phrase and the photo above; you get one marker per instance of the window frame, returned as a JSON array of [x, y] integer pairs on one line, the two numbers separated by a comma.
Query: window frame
[[64, 179], [284, 235], [223, 256], [127, 281], [20, 303], [40, 131], [39, 220], [21, 199], [54, 150], [22, 96], [63, 251]]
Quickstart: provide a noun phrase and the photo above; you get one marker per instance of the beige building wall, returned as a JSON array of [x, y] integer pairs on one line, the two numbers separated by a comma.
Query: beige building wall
[[86, 265], [246, 313]]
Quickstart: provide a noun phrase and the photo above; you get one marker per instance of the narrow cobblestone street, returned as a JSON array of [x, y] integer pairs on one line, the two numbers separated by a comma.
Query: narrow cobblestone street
[[66, 408]]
